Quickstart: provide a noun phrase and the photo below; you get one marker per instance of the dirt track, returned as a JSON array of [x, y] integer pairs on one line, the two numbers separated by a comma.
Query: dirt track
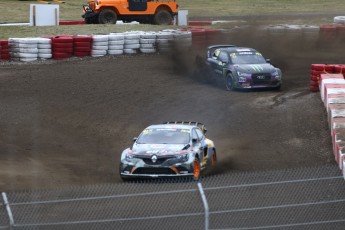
[[66, 122]]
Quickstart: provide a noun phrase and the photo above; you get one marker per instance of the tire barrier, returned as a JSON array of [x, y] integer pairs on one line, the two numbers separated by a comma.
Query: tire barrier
[[66, 46], [332, 93], [62, 47], [82, 46], [23, 49], [148, 42], [44, 46], [318, 70], [100, 45], [4, 50], [131, 42], [116, 43]]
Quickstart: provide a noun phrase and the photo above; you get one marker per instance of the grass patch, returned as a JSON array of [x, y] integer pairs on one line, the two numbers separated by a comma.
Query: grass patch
[[18, 11]]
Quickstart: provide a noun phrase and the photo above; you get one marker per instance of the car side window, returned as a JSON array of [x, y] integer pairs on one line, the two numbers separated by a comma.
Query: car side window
[[223, 57], [194, 135], [200, 134]]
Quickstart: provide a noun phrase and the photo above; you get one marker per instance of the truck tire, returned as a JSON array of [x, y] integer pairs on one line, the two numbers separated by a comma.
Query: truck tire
[[162, 17], [107, 16]]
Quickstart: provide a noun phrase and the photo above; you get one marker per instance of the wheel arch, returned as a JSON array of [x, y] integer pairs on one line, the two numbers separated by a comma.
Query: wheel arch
[[163, 7], [113, 8]]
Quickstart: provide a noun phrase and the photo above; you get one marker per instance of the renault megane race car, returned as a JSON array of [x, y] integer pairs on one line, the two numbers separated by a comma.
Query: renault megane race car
[[242, 67], [171, 149]]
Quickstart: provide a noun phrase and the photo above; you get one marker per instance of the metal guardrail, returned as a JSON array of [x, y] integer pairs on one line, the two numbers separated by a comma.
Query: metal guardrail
[[312, 198]]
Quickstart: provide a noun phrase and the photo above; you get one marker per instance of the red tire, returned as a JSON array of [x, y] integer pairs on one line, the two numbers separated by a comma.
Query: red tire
[[314, 78], [62, 45], [63, 50], [5, 56], [82, 38], [62, 39], [314, 83], [82, 49], [82, 44]]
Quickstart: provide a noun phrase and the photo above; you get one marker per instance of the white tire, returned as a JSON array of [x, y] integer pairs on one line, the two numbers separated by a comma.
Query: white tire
[[24, 40], [115, 52], [182, 34], [130, 51], [132, 36], [116, 47], [22, 45], [132, 46], [147, 41], [147, 46], [24, 55], [44, 51], [165, 35], [100, 38], [45, 56], [24, 50], [98, 52], [116, 37], [100, 43], [148, 35], [99, 47], [163, 41], [28, 59], [339, 20], [44, 46], [132, 41], [148, 50], [44, 41], [117, 42]]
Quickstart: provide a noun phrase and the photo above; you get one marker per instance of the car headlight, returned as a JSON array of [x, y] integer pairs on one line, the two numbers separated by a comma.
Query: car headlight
[[242, 79], [183, 157], [129, 157]]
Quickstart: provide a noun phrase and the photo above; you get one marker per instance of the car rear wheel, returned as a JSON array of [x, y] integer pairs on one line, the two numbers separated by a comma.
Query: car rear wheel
[[107, 16], [196, 169], [229, 82], [162, 17]]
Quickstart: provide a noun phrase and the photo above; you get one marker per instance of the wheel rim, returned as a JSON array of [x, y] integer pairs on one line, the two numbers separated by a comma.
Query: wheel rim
[[196, 172]]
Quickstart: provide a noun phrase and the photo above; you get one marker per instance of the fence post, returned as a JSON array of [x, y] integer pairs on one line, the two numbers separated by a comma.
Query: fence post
[[8, 209], [204, 200]]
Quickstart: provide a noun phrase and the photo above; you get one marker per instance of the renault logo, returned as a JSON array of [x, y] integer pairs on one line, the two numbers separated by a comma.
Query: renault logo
[[154, 158], [261, 77]]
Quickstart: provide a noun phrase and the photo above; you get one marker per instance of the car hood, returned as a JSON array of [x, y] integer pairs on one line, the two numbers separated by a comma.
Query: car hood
[[255, 68], [158, 149]]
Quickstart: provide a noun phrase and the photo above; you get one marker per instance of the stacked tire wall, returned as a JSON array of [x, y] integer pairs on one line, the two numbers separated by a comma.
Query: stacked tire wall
[[332, 94], [4, 50]]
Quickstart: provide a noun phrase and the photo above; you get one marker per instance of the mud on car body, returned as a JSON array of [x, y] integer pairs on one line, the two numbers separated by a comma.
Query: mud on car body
[[242, 67], [171, 149]]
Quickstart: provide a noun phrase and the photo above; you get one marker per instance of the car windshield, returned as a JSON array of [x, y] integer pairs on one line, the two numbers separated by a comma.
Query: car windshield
[[164, 136], [247, 59]]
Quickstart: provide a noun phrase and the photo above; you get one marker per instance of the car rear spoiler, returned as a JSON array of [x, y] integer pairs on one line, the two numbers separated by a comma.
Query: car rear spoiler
[[213, 47], [198, 124]]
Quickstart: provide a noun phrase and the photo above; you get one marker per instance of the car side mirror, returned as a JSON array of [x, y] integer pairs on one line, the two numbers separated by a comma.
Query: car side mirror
[[135, 139], [268, 60], [194, 140]]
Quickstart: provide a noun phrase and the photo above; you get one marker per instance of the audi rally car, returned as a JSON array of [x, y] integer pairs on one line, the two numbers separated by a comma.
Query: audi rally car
[[172, 149], [242, 67]]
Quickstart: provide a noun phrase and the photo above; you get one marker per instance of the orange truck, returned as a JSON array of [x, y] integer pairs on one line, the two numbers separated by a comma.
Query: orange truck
[[159, 12]]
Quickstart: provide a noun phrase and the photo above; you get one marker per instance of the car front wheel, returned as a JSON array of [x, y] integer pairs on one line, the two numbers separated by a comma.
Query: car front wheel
[[196, 169], [229, 82]]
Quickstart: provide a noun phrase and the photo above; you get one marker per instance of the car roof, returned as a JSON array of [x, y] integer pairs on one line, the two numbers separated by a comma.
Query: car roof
[[171, 126], [237, 49]]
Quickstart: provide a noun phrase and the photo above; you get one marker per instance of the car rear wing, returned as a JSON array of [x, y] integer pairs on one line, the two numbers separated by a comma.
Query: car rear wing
[[210, 49], [198, 124]]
